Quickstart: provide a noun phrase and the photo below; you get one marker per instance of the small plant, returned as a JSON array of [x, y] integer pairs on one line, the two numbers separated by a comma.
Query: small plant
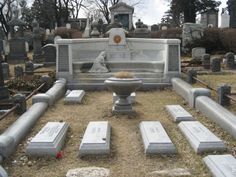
[[124, 75]]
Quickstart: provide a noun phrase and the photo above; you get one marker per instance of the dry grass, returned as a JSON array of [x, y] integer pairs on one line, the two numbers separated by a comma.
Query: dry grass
[[127, 158], [124, 75]]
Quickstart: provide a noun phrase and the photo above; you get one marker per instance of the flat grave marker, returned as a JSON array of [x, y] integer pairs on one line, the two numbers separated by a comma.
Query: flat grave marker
[[178, 113], [200, 138], [74, 97], [49, 140], [155, 138], [96, 139], [221, 165]]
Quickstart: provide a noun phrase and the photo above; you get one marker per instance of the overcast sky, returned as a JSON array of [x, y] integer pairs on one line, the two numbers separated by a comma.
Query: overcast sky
[[154, 10]]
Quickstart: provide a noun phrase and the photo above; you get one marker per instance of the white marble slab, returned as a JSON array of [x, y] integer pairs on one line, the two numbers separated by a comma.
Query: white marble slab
[[221, 165], [75, 96], [49, 140], [155, 138], [178, 113], [200, 138], [96, 139], [131, 98]]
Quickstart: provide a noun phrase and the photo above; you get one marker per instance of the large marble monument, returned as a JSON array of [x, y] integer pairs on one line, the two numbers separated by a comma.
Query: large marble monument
[[123, 13], [210, 17], [155, 61]]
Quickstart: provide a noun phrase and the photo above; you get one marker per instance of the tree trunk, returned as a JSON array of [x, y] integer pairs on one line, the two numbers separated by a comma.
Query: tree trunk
[[190, 12]]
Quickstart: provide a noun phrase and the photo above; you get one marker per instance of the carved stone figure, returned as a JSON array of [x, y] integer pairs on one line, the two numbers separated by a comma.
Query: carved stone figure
[[99, 65]]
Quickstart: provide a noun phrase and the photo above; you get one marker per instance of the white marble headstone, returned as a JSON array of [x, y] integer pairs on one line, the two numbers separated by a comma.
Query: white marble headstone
[[178, 113], [49, 140], [96, 139], [221, 165], [115, 34], [75, 96], [200, 138], [155, 138]]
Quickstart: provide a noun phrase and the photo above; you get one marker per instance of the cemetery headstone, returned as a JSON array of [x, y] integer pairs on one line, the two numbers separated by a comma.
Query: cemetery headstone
[[191, 32], [29, 68], [96, 139], [154, 28], [6, 70], [155, 138], [206, 61], [215, 64], [49, 140], [4, 94], [200, 138], [232, 13], [191, 75], [221, 165], [68, 26], [230, 64], [95, 33], [37, 43], [224, 19], [141, 30], [18, 70], [56, 38], [17, 42], [210, 17], [49, 51], [197, 53], [74, 97], [222, 91], [178, 113], [20, 100]]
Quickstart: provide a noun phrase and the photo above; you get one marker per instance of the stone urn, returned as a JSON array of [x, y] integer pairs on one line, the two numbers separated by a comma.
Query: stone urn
[[123, 87]]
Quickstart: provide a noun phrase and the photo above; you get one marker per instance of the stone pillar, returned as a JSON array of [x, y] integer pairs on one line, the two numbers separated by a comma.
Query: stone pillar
[[29, 68], [18, 70], [4, 94], [6, 70], [229, 60], [190, 76], [20, 99], [206, 61], [215, 64], [222, 91]]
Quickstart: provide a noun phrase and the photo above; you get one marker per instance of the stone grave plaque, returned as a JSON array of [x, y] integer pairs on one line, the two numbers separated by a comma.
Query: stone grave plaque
[[49, 140], [96, 139], [221, 165], [131, 98], [178, 113], [200, 138], [75, 96], [155, 138]]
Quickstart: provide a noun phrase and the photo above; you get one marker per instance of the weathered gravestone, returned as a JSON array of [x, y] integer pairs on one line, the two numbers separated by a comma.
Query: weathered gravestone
[[6, 70], [18, 70], [197, 53], [221, 165], [49, 54], [96, 139], [141, 30], [155, 138], [37, 56], [200, 138], [206, 61], [178, 113], [49, 140], [210, 17], [215, 64], [74, 97], [29, 68], [230, 64], [4, 94], [222, 92]]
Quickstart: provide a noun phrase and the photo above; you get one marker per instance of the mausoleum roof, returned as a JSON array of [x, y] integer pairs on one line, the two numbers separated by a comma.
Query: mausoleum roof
[[122, 4]]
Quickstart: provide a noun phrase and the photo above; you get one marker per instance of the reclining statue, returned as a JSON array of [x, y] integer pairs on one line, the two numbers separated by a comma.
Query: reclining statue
[[99, 65]]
